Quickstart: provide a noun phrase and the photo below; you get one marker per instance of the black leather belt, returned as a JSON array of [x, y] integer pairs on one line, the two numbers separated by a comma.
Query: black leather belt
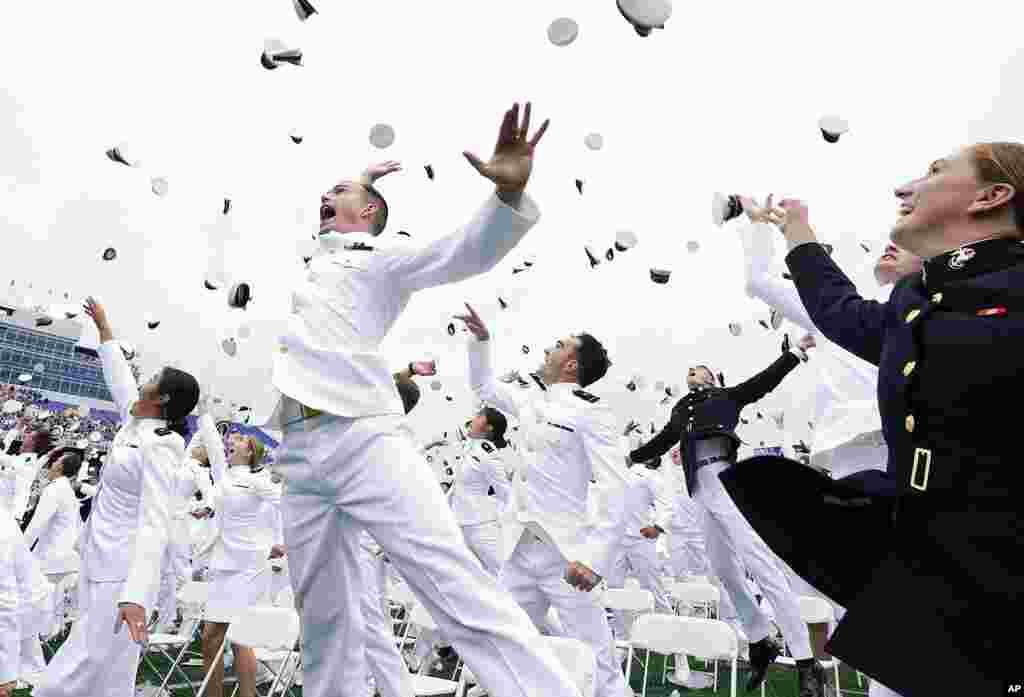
[[711, 460]]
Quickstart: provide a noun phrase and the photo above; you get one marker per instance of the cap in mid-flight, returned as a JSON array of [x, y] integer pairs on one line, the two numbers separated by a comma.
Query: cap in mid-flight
[[594, 141], [382, 136], [832, 127], [303, 9], [240, 295], [646, 15], [725, 208], [563, 31], [275, 53], [625, 239], [660, 276]]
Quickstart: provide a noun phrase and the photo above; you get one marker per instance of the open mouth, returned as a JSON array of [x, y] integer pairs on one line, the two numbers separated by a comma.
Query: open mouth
[[327, 213]]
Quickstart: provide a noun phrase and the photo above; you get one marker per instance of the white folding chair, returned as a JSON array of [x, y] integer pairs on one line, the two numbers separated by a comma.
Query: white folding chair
[[399, 594], [192, 599], [628, 600], [577, 658], [426, 685], [703, 596], [272, 633], [813, 610], [668, 635]]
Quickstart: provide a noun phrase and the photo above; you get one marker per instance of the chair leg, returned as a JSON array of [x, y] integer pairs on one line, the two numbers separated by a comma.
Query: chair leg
[[629, 663], [647, 662], [733, 689]]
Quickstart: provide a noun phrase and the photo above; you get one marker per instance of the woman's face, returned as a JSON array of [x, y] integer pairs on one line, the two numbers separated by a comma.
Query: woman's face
[[477, 427], [239, 450], [933, 204]]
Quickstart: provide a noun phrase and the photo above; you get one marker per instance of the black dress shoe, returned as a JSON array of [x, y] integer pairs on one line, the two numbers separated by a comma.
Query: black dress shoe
[[762, 654], [811, 680]]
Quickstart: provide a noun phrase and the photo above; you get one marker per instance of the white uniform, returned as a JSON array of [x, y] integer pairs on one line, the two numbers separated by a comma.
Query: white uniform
[[121, 547], [574, 441], [848, 428], [26, 466], [479, 469], [56, 526], [247, 527], [355, 467], [176, 566], [26, 597], [648, 502], [385, 663]]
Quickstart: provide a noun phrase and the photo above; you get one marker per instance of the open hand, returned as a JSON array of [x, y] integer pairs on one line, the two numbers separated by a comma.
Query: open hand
[[510, 166], [375, 172], [96, 312], [794, 210], [807, 342], [474, 324], [762, 214]]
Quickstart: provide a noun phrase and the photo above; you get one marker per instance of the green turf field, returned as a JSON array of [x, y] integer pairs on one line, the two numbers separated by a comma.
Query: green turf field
[[781, 682]]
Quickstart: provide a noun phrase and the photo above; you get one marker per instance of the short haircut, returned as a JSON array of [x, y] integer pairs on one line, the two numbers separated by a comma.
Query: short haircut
[[380, 218], [497, 421], [591, 360], [409, 391], [70, 464]]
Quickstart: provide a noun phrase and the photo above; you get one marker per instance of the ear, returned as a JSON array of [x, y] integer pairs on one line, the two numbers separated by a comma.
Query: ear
[[572, 367], [369, 210], [991, 197]]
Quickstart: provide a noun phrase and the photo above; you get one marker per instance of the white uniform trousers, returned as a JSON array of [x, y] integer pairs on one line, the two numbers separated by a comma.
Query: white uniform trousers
[[637, 557], [343, 475], [94, 661], [732, 544], [483, 540], [534, 576], [687, 554], [390, 674]]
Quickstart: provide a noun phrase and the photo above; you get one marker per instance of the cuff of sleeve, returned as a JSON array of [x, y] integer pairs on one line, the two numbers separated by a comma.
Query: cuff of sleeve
[[527, 208]]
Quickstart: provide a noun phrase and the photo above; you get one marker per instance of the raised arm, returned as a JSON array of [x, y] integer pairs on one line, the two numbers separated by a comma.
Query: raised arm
[[503, 221], [762, 284], [210, 438], [756, 387], [831, 299]]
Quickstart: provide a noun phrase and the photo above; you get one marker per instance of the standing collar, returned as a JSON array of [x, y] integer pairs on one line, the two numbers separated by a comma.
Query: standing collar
[[973, 259], [564, 387], [337, 240]]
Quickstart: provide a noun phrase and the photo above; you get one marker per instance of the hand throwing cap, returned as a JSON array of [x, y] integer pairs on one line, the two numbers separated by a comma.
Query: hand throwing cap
[[725, 208]]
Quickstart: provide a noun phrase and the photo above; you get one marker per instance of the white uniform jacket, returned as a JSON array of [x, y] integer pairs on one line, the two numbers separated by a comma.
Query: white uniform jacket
[[189, 478], [648, 502], [574, 440], [10, 598], [354, 289], [247, 509], [127, 530], [26, 467], [846, 400], [480, 467], [57, 524]]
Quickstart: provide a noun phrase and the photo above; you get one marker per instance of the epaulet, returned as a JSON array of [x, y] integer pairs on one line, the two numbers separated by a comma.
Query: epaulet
[[586, 396], [488, 448], [540, 383]]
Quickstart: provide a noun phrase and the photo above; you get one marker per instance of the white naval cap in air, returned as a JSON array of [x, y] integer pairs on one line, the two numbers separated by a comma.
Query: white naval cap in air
[[563, 31], [832, 127], [594, 141], [382, 136], [646, 15]]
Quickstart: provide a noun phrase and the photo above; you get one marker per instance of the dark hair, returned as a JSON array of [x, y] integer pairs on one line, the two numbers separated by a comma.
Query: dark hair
[[591, 360], [380, 219], [70, 464], [409, 391], [179, 393], [498, 423]]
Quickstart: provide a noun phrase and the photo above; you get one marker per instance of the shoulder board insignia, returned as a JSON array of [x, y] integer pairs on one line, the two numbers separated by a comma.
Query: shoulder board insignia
[[358, 247], [564, 428], [540, 383], [488, 448], [476, 458], [490, 491], [162, 432], [586, 396]]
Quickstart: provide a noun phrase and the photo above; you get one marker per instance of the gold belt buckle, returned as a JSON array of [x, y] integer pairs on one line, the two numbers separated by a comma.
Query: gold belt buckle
[[921, 455]]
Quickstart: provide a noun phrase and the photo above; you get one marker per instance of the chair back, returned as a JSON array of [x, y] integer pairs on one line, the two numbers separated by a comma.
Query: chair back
[[688, 592], [265, 627], [578, 659], [630, 599], [421, 618], [815, 610], [695, 636]]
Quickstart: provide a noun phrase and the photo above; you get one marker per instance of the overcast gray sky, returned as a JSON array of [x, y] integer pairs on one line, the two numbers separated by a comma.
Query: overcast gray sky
[[725, 98]]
